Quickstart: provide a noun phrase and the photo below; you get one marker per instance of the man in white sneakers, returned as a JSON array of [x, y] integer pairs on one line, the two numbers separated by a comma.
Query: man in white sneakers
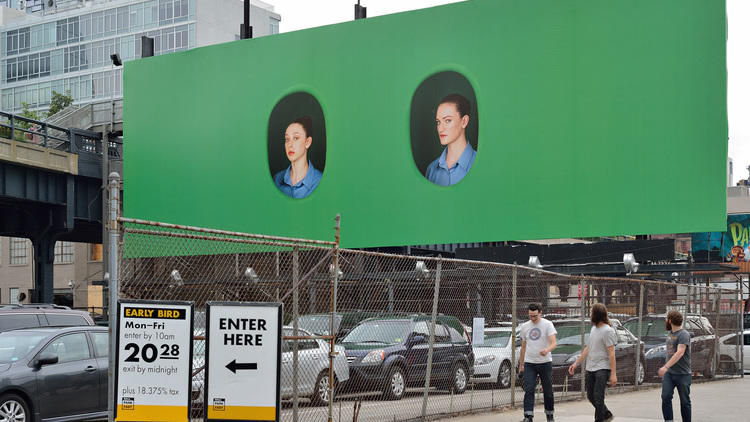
[[539, 339]]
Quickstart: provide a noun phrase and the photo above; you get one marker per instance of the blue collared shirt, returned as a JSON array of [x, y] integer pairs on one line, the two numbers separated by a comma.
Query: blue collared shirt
[[439, 173], [304, 187]]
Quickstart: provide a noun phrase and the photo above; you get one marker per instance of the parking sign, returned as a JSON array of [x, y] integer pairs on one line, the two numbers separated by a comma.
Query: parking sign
[[243, 354], [154, 360]]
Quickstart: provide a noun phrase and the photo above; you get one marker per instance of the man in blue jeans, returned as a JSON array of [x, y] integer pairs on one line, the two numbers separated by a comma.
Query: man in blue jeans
[[676, 373], [539, 339]]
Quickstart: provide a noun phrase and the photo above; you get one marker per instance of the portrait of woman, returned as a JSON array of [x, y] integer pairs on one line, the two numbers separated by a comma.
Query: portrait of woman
[[300, 178], [444, 128], [452, 118]]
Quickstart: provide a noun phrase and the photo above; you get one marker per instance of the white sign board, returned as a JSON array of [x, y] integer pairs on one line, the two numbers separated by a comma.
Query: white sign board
[[477, 332], [243, 354], [154, 361]]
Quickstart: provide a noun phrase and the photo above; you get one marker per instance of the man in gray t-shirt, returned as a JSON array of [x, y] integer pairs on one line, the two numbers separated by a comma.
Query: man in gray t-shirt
[[676, 372], [601, 366]]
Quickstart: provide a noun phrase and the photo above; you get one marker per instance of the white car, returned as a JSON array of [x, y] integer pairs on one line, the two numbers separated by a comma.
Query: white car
[[492, 358], [728, 351], [312, 373]]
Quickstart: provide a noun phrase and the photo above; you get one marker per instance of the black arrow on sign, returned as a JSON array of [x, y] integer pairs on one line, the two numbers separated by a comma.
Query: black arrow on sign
[[234, 366]]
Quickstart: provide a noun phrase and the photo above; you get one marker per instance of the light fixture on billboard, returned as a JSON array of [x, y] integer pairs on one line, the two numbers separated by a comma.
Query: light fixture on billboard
[[177, 279], [332, 270], [251, 275], [421, 268], [631, 266], [534, 262]]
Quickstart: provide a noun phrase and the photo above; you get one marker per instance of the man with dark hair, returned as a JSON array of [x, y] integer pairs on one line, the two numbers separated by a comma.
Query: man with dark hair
[[676, 372], [538, 337], [601, 366], [452, 118]]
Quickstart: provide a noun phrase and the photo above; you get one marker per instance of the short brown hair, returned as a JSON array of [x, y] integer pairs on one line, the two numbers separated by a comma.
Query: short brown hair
[[463, 106], [599, 314], [535, 306], [674, 317]]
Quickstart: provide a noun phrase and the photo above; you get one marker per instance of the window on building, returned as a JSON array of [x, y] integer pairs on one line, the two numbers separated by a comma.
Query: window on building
[[18, 251], [273, 26], [13, 296], [63, 252]]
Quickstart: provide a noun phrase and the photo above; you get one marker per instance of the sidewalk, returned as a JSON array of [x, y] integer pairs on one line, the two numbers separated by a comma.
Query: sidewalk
[[725, 401]]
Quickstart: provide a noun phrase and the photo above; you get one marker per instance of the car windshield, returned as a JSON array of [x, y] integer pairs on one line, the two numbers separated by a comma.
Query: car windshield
[[571, 333], [652, 328], [494, 339], [319, 324], [379, 332], [15, 345]]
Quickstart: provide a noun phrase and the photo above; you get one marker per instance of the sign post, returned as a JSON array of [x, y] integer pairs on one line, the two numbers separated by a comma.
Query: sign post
[[243, 361], [154, 355]]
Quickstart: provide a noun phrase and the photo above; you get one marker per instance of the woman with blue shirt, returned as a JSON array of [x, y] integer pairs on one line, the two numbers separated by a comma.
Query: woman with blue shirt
[[454, 163], [300, 178]]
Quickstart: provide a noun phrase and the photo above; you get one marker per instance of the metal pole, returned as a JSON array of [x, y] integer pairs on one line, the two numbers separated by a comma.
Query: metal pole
[[514, 325], [332, 351], [583, 334], [295, 333], [114, 288], [638, 362], [430, 352]]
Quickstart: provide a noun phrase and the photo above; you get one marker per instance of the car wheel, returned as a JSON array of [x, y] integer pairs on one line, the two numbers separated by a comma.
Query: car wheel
[[395, 385], [503, 375], [710, 370], [14, 408], [641, 376], [460, 379], [321, 394]]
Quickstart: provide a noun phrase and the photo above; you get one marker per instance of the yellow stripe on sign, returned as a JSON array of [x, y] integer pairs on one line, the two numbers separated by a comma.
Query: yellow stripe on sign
[[151, 413], [248, 413]]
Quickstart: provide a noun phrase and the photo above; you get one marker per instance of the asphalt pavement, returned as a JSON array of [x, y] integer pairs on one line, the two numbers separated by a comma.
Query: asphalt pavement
[[725, 401]]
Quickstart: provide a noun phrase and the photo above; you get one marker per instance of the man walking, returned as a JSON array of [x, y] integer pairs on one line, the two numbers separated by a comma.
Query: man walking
[[538, 337], [601, 367], [676, 373]]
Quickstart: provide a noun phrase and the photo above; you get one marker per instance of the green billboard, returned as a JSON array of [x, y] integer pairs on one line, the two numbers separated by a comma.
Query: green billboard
[[485, 120]]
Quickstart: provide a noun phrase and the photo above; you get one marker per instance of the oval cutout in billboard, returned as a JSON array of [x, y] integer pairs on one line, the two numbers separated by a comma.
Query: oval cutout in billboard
[[444, 128], [297, 144]]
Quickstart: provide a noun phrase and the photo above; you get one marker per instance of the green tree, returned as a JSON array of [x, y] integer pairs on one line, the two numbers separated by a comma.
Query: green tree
[[59, 102]]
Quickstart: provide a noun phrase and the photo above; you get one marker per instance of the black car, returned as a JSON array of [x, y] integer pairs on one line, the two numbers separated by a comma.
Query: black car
[[569, 349], [54, 373], [390, 353], [343, 322], [703, 343]]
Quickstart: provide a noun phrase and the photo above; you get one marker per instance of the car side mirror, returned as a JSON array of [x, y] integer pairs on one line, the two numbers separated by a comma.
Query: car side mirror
[[417, 340], [45, 359]]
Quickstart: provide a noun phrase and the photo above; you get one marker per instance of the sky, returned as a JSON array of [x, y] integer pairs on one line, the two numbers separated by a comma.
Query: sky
[[301, 14]]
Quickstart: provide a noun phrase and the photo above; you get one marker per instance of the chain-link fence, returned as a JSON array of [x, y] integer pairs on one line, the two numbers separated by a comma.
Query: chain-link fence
[[417, 337]]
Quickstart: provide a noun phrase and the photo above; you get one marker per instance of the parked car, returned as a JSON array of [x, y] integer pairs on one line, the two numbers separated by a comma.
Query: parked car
[[569, 349], [13, 317], [492, 358], [320, 324], [54, 373], [703, 343], [312, 372], [390, 353], [728, 358]]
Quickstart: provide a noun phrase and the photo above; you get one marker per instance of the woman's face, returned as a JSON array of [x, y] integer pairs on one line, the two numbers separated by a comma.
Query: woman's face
[[296, 142], [450, 124]]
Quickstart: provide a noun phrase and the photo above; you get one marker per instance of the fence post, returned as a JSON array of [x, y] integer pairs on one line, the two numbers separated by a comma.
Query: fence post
[[435, 295], [332, 349], [114, 288], [583, 333], [295, 333], [638, 362], [514, 326]]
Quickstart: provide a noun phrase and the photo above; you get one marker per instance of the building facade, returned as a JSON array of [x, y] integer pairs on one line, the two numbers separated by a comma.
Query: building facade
[[68, 48]]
